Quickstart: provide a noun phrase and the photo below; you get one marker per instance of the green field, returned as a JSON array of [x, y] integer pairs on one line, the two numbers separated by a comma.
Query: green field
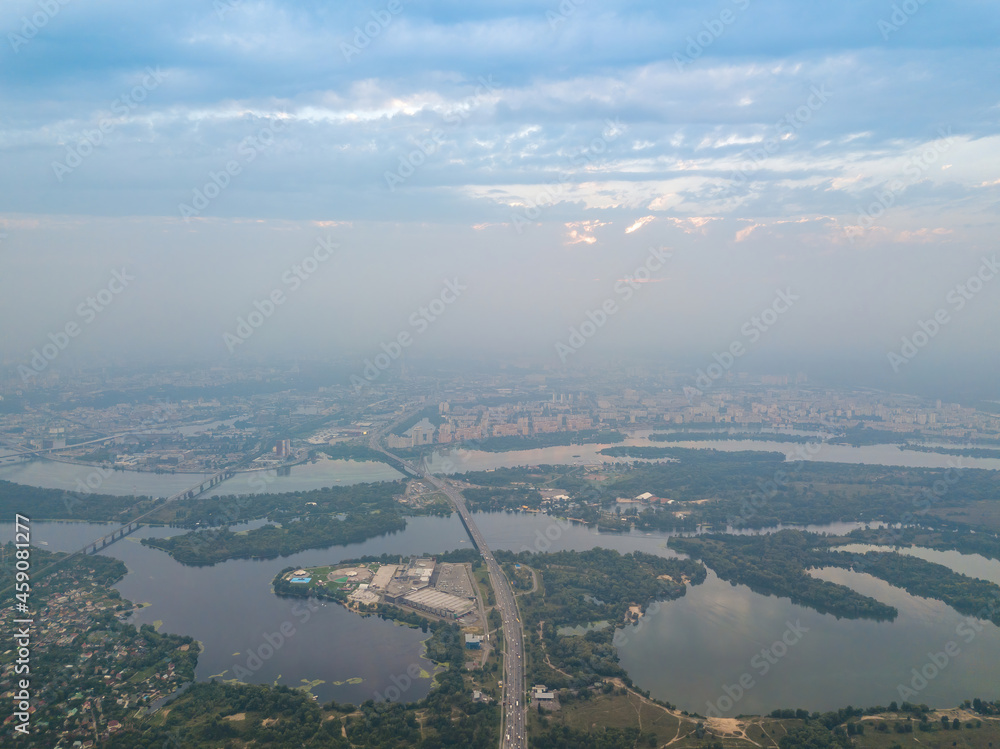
[[624, 709]]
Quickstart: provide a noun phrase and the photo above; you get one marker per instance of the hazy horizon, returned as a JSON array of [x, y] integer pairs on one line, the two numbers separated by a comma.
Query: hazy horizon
[[683, 169]]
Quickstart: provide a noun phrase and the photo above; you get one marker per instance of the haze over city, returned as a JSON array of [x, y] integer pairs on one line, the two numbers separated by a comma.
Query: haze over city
[[846, 154], [535, 374]]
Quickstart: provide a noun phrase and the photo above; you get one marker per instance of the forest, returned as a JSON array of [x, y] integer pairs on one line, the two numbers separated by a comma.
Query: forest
[[862, 435], [550, 439], [56, 504], [747, 489], [759, 490], [918, 577], [965, 452], [778, 564], [208, 547], [960, 539], [713, 436], [583, 587], [495, 499], [279, 508]]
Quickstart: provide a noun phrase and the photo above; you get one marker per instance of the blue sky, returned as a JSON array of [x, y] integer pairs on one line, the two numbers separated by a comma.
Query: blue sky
[[826, 143]]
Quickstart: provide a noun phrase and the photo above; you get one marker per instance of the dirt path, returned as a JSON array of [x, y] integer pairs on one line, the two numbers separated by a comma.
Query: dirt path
[[638, 714], [548, 661], [534, 582], [764, 731], [729, 727]]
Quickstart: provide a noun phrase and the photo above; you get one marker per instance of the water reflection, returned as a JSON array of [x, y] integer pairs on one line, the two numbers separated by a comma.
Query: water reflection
[[686, 653], [695, 651]]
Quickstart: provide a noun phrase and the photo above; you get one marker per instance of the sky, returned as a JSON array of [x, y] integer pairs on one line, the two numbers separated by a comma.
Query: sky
[[812, 185]]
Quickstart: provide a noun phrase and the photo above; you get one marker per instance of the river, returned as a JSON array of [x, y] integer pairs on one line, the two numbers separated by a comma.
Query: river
[[687, 652], [327, 472], [73, 477]]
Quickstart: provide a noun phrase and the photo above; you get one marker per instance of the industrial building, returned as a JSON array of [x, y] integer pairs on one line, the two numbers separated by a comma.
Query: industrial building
[[541, 693], [383, 577], [438, 603]]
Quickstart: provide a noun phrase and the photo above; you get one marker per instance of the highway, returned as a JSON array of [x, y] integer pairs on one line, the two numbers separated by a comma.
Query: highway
[[514, 714]]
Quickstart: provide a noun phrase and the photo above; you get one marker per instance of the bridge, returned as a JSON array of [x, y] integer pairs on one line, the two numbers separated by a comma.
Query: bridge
[[133, 525], [24, 453], [115, 535], [204, 486], [513, 729]]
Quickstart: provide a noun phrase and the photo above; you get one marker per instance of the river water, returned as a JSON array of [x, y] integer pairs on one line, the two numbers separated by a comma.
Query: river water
[[692, 652], [327, 472], [459, 461], [77, 478], [230, 608], [688, 652]]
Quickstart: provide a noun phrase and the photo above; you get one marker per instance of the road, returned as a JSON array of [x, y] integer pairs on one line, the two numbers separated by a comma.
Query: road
[[19, 451], [514, 712], [513, 731]]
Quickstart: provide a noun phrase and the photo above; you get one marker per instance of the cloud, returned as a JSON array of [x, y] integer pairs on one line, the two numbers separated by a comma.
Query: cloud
[[510, 138], [581, 232], [744, 234], [923, 235], [639, 223]]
